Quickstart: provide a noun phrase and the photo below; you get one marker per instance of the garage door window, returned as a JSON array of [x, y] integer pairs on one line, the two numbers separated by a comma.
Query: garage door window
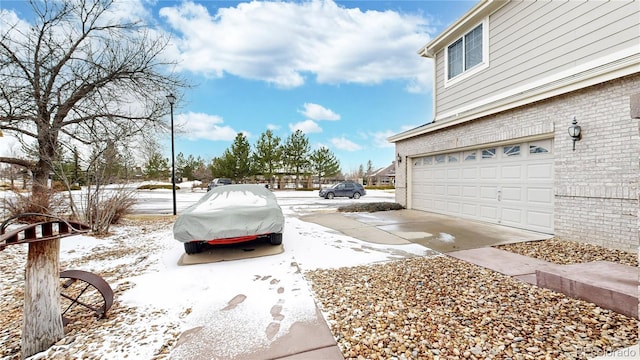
[[428, 160], [469, 156], [452, 158], [489, 153], [511, 150], [440, 159], [540, 147]]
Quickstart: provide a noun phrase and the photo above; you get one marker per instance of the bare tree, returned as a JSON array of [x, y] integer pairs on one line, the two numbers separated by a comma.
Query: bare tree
[[77, 74]]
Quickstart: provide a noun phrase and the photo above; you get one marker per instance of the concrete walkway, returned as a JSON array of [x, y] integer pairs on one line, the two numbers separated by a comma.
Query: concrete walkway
[[437, 232], [609, 285]]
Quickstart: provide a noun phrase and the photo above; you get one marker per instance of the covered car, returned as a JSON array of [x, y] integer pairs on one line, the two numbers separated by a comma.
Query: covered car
[[230, 214]]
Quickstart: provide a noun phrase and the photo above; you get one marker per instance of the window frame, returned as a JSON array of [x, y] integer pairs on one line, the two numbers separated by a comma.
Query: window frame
[[484, 63]]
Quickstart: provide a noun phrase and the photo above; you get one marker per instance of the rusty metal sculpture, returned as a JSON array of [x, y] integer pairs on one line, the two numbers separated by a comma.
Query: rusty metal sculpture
[[85, 281], [43, 321]]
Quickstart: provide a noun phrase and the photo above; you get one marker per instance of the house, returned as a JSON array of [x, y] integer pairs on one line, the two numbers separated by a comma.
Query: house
[[385, 176], [511, 78]]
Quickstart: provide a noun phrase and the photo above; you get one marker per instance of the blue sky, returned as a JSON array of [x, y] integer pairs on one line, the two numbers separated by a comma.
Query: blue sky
[[344, 72]]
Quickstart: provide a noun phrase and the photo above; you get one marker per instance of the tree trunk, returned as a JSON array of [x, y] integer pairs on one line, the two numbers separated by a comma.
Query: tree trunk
[[42, 321], [40, 193]]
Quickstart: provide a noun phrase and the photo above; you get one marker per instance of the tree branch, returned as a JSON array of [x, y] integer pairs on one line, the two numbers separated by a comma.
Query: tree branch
[[15, 161]]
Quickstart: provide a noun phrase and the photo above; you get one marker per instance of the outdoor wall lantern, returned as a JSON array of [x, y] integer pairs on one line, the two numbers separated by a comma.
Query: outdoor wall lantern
[[574, 132], [399, 158]]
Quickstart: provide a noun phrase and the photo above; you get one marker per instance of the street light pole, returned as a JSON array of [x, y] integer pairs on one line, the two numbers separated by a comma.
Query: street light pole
[[172, 99]]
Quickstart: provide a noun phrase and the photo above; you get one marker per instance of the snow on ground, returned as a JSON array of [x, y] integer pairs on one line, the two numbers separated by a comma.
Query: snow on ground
[[233, 307], [229, 302]]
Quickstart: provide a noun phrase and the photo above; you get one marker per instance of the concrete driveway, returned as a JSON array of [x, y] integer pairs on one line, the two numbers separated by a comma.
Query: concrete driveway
[[438, 232]]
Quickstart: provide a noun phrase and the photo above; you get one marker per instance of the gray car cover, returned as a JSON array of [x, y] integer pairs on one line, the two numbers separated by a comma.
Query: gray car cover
[[230, 211]]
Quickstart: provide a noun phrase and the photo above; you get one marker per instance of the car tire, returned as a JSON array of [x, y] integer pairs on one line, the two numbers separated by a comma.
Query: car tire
[[275, 239], [193, 247], [329, 195], [356, 195]]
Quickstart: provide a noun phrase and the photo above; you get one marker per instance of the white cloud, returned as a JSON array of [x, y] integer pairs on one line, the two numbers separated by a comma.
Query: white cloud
[[195, 126], [345, 144], [307, 127], [130, 10], [380, 139], [282, 42], [318, 112], [273, 127]]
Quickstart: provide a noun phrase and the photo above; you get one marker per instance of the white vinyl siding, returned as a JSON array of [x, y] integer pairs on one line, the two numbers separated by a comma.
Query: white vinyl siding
[[538, 44]]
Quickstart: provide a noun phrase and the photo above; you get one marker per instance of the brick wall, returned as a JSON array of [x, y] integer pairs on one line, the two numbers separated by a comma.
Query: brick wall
[[596, 186]]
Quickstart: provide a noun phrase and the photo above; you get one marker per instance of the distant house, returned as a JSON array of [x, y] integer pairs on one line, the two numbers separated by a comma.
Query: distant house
[[510, 77], [383, 176]]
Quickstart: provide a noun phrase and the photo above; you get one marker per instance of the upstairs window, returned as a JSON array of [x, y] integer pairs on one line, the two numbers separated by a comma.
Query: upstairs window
[[466, 52]]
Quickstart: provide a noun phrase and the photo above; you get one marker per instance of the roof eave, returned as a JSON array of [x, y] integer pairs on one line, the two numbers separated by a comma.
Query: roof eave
[[481, 10]]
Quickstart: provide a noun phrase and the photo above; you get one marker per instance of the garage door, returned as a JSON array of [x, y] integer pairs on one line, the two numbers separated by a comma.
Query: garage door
[[508, 184]]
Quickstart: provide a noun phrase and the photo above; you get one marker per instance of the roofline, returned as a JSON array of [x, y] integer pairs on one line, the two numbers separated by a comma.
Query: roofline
[[457, 29], [627, 65]]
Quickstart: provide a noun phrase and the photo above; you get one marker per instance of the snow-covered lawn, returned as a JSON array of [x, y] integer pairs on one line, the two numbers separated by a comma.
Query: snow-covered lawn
[[236, 306]]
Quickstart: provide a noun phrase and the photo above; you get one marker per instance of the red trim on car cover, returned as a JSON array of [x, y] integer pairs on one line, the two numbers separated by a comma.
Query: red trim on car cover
[[233, 240]]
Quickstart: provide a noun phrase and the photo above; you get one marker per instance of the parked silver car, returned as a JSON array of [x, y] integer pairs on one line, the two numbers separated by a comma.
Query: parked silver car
[[218, 182], [230, 214]]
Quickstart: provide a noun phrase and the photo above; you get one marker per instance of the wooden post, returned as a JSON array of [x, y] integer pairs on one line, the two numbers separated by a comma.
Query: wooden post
[[42, 322]]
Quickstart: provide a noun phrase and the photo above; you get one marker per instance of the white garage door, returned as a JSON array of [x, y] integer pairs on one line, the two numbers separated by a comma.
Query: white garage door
[[509, 184]]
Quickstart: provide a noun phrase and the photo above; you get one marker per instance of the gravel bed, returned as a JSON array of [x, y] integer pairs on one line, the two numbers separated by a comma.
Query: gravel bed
[[570, 252], [444, 308]]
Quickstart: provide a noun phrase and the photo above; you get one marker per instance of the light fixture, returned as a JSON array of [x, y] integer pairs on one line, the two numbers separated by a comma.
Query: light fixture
[[575, 132], [399, 158], [172, 100]]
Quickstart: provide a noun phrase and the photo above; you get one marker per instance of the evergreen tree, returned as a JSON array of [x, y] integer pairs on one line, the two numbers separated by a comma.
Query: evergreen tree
[[296, 154], [268, 155], [110, 163], [186, 167], [324, 163], [223, 166], [241, 152], [370, 171], [236, 162], [156, 167], [369, 168]]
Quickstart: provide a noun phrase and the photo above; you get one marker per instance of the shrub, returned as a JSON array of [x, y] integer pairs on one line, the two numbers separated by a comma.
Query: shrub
[[101, 209], [371, 207], [26, 203]]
